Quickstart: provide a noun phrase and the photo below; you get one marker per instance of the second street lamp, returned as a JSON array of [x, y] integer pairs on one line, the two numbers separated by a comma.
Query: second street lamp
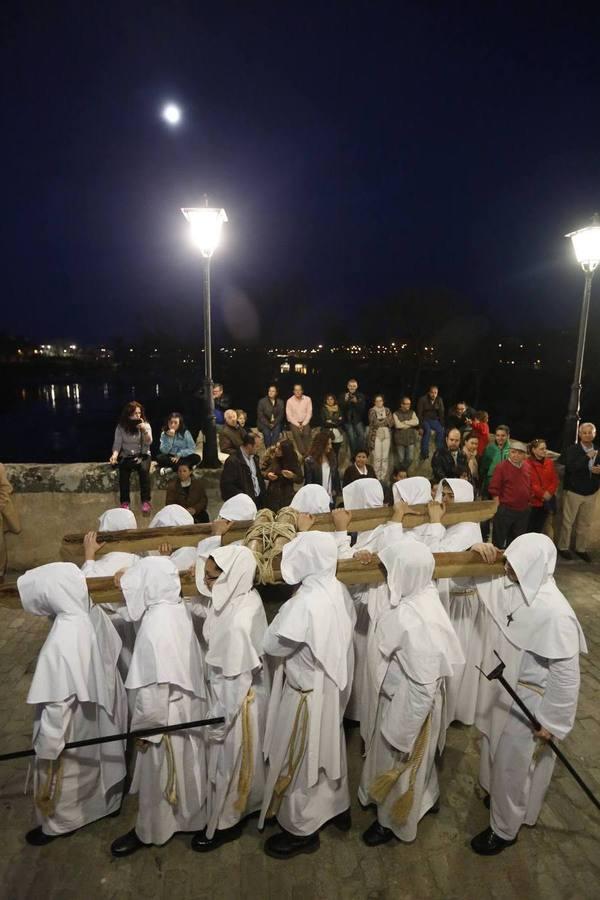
[[586, 243], [205, 228]]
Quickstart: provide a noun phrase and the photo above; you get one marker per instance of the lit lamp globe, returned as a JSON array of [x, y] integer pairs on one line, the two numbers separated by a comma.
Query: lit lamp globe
[[586, 243], [205, 227]]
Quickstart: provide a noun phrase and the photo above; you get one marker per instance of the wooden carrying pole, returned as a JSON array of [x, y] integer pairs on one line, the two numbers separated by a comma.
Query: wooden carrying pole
[[349, 571], [142, 539]]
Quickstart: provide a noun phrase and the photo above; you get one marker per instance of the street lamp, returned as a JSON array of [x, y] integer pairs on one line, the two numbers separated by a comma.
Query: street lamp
[[205, 228], [586, 243]]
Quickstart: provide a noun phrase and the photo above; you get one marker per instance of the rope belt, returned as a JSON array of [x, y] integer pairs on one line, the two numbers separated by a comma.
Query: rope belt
[[383, 784], [48, 794], [296, 750], [247, 764], [170, 791], [531, 687]]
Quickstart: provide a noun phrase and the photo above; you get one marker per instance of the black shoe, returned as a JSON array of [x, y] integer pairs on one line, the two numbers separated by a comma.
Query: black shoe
[[377, 834], [285, 845], [487, 801], [37, 838], [565, 554], [434, 810], [127, 844], [488, 843], [584, 556], [343, 821], [202, 844]]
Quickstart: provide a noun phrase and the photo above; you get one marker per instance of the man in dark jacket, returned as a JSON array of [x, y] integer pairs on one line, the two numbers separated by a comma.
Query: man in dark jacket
[[187, 491], [241, 474], [231, 435], [353, 407], [580, 486], [449, 461], [270, 414], [430, 413], [460, 416], [221, 401]]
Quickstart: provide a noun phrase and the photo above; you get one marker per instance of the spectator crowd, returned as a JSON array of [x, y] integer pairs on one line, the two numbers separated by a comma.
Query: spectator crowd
[[346, 438]]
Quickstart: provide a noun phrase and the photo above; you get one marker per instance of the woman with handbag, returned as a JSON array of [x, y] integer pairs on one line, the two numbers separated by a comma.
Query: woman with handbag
[[544, 484], [131, 452]]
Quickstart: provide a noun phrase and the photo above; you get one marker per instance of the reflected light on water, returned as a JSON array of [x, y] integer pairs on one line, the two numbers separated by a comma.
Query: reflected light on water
[[156, 390], [105, 390], [68, 391], [53, 396], [76, 398]]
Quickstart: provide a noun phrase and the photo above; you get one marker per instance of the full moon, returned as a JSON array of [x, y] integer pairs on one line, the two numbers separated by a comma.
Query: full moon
[[171, 114]]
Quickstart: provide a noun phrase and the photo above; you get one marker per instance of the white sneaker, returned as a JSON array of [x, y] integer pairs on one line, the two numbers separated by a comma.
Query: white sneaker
[[163, 471]]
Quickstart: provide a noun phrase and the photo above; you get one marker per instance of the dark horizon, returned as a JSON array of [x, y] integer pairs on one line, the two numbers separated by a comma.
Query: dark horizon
[[373, 162]]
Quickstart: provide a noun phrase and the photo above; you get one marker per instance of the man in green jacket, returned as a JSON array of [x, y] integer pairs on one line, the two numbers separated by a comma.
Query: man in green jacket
[[494, 453]]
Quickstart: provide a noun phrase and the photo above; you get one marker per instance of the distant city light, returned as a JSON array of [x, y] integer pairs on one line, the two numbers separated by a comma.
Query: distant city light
[[171, 114]]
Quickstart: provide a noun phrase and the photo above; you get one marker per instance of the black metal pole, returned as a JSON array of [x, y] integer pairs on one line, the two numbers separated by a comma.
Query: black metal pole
[[572, 417], [496, 675], [140, 733], [210, 457]]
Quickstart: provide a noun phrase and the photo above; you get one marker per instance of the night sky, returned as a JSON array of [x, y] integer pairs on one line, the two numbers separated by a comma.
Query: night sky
[[361, 151]]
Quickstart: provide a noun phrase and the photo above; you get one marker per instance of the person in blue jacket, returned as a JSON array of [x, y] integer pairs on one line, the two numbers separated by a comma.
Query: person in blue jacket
[[176, 445]]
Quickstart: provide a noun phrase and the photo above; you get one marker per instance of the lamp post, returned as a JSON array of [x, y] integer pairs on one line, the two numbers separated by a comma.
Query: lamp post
[[205, 229], [586, 243]]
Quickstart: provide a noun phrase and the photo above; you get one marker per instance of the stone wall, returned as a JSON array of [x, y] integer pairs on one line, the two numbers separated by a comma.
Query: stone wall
[[55, 499]]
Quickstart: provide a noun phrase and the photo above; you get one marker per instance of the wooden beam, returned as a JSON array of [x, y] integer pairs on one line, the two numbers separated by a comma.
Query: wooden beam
[[138, 540], [349, 571]]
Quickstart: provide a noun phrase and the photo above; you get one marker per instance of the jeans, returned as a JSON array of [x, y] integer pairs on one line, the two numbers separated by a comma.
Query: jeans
[[404, 454], [381, 453], [271, 435], [429, 425], [302, 438], [356, 436], [164, 461], [127, 465], [509, 524]]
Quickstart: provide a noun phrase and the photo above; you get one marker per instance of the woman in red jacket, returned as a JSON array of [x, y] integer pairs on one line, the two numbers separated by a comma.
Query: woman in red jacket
[[544, 484]]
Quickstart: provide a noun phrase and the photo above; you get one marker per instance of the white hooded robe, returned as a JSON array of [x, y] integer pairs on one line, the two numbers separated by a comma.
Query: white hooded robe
[[238, 688], [78, 695], [166, 687], [417, 651], [116, 519], [311, 641], [538, 637]]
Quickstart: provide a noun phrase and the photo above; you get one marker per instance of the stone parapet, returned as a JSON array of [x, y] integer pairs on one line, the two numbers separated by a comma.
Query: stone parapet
[[55, 499]]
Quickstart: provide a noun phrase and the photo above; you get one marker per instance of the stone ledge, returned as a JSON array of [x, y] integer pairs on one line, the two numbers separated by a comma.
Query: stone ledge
[[79, 478]]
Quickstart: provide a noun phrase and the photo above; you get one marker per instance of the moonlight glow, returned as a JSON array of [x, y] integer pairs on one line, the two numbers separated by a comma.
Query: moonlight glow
[[171, 114]]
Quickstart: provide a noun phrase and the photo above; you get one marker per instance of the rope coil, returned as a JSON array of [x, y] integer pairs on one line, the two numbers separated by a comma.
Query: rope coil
[[267, 537]]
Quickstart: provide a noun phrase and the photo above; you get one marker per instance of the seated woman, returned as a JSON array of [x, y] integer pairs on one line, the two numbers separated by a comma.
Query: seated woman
[[320, 466], [176, 445], [187, 491], [281, 470], [358, 468]]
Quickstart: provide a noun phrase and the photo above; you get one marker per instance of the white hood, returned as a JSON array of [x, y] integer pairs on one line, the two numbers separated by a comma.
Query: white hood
[[117, 519], [236, 622], [542, 620], [412, 490], [80, 654], [317, 614], [364, 493], [312, 499], [239, 508], [418, 630], [166, 649], [173, 514]]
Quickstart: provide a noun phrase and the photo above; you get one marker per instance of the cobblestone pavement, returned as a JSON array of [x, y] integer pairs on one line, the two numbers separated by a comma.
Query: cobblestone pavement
[[559, 858]]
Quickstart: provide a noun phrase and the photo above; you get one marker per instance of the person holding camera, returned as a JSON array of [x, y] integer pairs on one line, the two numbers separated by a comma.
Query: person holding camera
[[131, 452]]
